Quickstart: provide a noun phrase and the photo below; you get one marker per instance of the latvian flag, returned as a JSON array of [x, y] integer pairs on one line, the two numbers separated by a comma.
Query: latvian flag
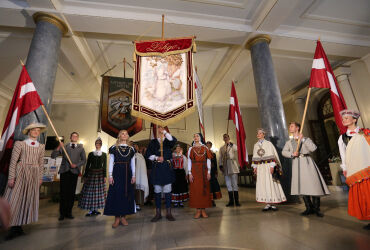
[[322, 76], [25, 100], [236, 115]]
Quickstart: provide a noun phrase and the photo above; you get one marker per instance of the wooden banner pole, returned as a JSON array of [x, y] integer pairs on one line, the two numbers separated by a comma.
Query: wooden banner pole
[[124, 67], [56, 133], [162, 26], [304, 117], [52, 125]]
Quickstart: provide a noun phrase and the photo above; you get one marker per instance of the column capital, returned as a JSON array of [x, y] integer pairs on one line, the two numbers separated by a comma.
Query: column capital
[[50, 18], [257, 39]]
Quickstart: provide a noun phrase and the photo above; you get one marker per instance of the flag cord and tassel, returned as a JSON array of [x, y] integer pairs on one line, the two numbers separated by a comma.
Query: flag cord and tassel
[[52, 125], [304, 117]]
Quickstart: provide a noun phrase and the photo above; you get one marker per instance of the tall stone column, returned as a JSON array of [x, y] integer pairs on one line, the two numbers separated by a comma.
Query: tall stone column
[[269, 101], [42, 62], [342, 74]]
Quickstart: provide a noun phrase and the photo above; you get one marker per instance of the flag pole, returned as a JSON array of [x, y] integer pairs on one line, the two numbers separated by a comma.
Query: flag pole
[[304, 117], [56, 133], [162, 26], [52, 125]]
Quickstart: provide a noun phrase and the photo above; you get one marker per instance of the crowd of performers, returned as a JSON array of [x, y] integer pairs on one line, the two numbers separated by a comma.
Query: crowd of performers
[[164, 171]]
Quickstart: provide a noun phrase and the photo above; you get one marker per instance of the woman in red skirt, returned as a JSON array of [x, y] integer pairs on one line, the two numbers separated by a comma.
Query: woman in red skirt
[[354, 147], [199, 167]]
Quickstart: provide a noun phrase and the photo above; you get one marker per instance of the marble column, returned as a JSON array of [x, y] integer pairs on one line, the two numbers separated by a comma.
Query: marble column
[[342, 74], [269, 101], [42, 62]]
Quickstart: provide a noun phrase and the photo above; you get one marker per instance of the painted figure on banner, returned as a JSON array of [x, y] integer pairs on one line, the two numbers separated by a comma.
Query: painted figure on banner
[[163, 79], [163, 89], [116, 106], [121, 108]]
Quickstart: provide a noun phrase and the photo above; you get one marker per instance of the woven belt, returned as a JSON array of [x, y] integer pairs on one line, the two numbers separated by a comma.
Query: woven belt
[[303, 155], [263, 162], [96, 170]]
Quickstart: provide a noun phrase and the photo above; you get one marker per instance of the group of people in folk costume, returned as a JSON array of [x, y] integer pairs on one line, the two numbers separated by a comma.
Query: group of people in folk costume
[[171, 171]]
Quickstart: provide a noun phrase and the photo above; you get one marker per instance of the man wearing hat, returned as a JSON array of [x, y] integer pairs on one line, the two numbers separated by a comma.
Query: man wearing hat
[[355, 153], [24, 180], [69, 174]]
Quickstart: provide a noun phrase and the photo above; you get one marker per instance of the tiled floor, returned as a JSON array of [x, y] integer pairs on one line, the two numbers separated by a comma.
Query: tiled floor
[[226, 228]]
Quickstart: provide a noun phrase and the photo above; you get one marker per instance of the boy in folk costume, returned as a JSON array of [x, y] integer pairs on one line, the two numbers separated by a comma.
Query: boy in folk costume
[[230, 168], [159, 151], [355, 153], [306, 177], [180, 191], [265, 160], [142, 186]]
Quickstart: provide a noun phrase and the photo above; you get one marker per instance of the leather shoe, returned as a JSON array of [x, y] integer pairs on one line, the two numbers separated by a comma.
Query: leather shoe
[[61, 217], [70, 217]]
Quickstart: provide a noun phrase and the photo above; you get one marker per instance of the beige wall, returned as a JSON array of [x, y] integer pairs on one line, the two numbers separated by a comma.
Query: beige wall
[[360, 82], [4, 107], [251, 122], [82, 118]]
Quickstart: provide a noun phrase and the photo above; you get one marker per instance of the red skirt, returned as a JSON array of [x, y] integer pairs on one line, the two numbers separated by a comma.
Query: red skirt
[[359, 200], [200, 196]]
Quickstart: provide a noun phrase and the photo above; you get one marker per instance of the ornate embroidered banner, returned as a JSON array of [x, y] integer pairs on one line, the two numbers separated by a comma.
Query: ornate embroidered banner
[[116, 106], [163, 85]]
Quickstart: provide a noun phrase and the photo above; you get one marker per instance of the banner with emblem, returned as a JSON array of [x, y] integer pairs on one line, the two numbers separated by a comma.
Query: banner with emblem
[[116, 106], [163, 84]]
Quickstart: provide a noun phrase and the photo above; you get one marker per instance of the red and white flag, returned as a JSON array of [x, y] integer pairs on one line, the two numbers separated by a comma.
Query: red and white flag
[[236, 116], [198, 96], [322, 76], [25, 100]]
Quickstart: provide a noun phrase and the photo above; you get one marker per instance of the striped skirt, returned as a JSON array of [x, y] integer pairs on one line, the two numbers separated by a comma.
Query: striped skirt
[[24, 196], [93, 193]]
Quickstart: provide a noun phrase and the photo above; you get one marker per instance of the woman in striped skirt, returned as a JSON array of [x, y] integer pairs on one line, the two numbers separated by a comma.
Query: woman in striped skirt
[[93, 192], [25, 178]]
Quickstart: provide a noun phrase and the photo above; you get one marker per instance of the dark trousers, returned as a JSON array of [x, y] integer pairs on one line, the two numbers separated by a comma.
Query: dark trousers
[[68, 183]]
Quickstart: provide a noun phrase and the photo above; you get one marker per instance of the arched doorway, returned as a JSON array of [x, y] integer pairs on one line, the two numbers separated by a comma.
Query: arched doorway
[[326, 116], [325, 134]]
